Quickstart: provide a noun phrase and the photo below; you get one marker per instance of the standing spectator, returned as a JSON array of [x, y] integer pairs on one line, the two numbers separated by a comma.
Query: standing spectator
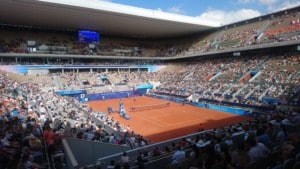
[[49, 136], [112, 138], [89, 135], [68, 130]]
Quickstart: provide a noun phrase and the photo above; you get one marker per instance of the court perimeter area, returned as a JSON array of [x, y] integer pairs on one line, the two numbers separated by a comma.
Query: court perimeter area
[[165, 123]]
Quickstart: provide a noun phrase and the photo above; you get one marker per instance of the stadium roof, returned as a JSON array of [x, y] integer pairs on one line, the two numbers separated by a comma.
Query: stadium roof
[[101, 16]]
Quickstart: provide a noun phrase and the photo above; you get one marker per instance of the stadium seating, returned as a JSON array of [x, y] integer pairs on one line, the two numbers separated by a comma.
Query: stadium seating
[[280, 27], [35, 120]]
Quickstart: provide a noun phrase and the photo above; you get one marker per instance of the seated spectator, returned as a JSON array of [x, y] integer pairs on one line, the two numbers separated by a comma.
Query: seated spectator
[[257, 151], [239, 157], [124, 158], [30, 164], [294, 139], [5, 157], [212, 156], [140, 162], [262, 137], [118, 166], [195, 157], [225, 155], [178, 156], [282, 135], [156, 152], [183, 142], [126, 166], [288, 151], [112, 165]]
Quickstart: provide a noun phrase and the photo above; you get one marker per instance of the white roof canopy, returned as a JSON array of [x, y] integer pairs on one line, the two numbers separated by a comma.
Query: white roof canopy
[[101, 16]]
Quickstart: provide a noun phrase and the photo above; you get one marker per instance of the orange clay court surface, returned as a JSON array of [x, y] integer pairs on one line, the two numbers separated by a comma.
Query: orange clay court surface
[[165, 123]]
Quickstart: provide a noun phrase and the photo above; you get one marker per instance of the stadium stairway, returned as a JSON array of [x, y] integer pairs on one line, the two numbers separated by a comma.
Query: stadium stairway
[[239, 91], [262, 30], [188, 75], [216, 42], [259, 32], [263, 94], [215, 76], [79, 81], [250, 92], [57, 82], [216, 91], [255, 76]]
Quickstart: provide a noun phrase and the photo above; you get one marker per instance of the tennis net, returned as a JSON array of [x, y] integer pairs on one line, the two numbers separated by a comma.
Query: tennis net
[[149, 107]]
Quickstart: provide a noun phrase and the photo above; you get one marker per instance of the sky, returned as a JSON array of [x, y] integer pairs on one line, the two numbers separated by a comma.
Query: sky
[[221, 12]]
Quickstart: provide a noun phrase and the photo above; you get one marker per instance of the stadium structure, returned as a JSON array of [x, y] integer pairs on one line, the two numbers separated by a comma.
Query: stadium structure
[[60, 56]]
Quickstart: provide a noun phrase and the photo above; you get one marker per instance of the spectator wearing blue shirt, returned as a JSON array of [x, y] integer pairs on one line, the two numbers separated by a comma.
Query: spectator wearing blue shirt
[[178, 156], [264, 138], [15, 112]]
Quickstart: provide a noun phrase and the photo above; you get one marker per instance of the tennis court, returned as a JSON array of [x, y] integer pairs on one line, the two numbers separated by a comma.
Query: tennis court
[[163, 123]]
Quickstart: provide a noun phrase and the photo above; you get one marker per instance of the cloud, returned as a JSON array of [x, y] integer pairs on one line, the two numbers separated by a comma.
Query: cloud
[[226, 17], [276, 5], [268, 2], [286, 4], [159, 9], [176, 10], [245, 1], [271, 4]]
